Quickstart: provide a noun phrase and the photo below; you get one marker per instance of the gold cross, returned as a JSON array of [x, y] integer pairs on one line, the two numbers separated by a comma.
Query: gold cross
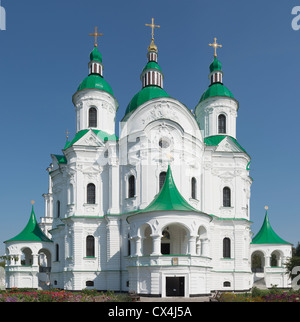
[[95, 34], [152, 25], [215, 45], [67, 134]]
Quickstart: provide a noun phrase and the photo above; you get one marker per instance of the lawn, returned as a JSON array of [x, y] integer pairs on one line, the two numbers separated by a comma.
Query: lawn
[[55, 295]]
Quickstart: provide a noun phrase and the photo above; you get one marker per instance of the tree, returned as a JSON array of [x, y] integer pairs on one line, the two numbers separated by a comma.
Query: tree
[[290, 264], [297, 250]]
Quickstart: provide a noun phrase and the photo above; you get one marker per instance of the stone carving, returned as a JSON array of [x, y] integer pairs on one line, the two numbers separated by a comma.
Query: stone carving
[[160, 111]]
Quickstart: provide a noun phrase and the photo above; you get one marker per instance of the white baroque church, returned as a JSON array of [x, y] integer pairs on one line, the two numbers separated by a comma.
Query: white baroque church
[[162, 210]]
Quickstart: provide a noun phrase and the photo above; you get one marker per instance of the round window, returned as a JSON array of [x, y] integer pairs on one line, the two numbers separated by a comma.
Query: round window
[[164, 143]]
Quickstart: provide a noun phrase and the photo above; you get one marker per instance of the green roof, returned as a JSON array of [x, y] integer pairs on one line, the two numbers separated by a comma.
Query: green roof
[[101, 135], [152, 65], [145, 94], [215, 140], [169, 198], [61, 159], [32, 231], [95, 55], [95, 81], [215, 65], [216, 89], [267, 235]]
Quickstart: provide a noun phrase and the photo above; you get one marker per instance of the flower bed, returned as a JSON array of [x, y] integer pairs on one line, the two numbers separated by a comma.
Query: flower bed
[[272, 295], [22, 295]]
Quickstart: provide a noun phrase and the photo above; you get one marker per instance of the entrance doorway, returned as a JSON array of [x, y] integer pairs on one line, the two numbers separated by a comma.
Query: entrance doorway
[[174, 286]]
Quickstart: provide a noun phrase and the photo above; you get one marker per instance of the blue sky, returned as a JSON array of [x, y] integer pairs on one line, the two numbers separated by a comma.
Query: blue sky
[[44, 56]]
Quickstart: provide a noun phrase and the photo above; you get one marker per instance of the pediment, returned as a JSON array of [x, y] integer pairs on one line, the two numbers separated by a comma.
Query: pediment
[[227, 145], [89, 139]]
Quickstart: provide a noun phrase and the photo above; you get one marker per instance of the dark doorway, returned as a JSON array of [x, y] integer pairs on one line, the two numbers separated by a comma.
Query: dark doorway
[[174, 286]]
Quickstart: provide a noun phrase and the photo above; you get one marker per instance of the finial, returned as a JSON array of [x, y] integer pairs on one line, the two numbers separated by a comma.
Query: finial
[[266, 207], [96, 34], [67, 134], [215, 45], [32, 202], [152, 46]]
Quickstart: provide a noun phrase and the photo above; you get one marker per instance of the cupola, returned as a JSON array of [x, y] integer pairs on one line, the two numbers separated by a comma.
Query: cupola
[[151, 78], [94, 99]]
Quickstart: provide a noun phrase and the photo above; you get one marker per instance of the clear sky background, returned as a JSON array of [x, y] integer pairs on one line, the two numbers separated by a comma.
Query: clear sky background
[[44, 55]]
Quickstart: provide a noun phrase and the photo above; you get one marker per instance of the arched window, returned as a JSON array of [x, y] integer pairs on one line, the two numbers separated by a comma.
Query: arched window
[[226, 284], [90, 246], [221, 124], [128, 245], [226, 247], [226, 197], [89, 283], [131, 186], [91, 193], [165, 243], [57, 252], [58, 209], [162, 178], [193, 188], [92, 117]]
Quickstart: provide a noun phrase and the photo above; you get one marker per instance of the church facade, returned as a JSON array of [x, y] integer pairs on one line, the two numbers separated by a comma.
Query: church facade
[[162, 210]]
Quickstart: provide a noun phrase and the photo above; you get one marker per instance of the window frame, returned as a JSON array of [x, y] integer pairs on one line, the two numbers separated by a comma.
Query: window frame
[[226, 197], [131, 186], [226, 247], [194, 188], [222, 123], [90, 246], [58, 209], [92, 118], [91, 195]]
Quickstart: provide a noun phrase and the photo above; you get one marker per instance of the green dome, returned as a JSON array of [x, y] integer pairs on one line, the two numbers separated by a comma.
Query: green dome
[[95, 55], [216, 89], [267, 235], [95, 81], [152, 65], [146, 94], [32, 231], [215, 65]]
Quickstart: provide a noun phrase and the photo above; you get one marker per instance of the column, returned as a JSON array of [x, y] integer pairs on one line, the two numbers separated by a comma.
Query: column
[[138, 247], [204, 244], [35, 259], [156, 250], [113, 182], [267, 261], [192, 245], [199, 246], [113, 243]]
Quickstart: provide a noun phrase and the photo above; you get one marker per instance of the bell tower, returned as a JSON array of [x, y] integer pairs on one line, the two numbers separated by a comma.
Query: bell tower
[[94, 99], [216, 111]]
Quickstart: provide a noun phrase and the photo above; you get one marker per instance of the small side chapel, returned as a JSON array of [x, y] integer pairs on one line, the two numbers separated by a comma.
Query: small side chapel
[[162, 210]]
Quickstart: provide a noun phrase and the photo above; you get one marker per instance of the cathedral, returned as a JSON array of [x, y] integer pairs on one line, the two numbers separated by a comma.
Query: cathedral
[[162, 210]]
